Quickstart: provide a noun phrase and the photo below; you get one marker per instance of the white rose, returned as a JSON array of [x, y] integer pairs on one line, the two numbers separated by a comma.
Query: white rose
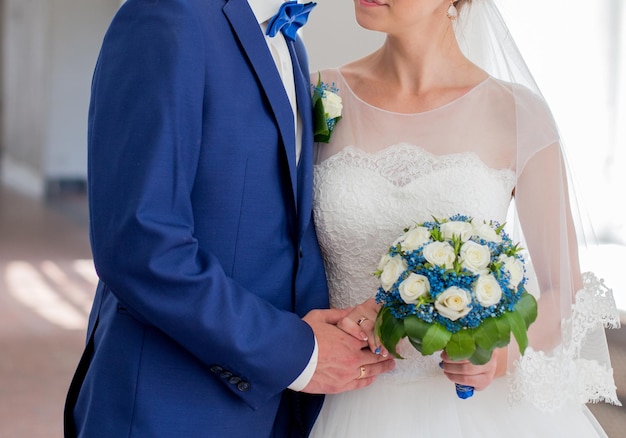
[[453, 303], [456, 228], [514, 267], [393, 268], [487, 290], [474, 256], [486, 232], [414, 238], [440, 254], [413, 287], [332, 104], [383, 261]]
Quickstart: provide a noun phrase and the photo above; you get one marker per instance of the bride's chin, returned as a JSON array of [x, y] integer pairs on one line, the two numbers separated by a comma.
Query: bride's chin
[[368, 23]]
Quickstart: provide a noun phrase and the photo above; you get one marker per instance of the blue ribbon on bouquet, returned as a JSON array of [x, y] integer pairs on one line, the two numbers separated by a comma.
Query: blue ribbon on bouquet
[[464, 391], [290, 17]]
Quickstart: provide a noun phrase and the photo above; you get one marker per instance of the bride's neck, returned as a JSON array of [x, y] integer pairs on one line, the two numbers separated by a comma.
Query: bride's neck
[[417, 65], [415, 73]]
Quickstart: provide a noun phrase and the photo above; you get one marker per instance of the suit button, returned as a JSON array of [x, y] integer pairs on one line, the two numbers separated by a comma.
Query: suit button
[[216, 369], [243, 386], [234, 380], [226, 375]]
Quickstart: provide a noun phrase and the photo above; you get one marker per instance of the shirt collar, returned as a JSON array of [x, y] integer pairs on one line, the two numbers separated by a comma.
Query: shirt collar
[[264, 9]]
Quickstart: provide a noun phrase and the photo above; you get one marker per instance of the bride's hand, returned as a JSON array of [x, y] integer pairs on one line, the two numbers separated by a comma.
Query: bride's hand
[[359, 323], [479, 376]]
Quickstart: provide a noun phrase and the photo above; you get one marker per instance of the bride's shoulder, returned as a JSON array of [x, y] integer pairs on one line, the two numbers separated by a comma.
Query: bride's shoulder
[[524, 99], [518, 92]]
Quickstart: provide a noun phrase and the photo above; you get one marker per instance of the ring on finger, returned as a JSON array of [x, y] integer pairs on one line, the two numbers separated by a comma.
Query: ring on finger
[[361, 372], [361, 320]]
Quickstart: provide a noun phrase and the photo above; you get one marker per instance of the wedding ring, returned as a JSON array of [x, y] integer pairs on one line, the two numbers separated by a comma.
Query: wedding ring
[[361, 320], [362, 372]]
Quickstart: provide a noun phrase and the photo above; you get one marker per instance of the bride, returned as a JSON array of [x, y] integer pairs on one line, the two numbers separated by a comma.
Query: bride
[[444, 119]]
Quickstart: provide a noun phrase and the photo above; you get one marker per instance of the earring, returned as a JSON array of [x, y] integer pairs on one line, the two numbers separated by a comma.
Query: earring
[[452, 12]]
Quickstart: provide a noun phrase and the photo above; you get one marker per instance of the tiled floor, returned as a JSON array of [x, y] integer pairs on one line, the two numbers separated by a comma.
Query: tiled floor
[[46, 286]]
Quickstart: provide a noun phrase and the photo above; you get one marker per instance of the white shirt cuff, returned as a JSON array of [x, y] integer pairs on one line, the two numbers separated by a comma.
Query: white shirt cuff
[[307, 374]]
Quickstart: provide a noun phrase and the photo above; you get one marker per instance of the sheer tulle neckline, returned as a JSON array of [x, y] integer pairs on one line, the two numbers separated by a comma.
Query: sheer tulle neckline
[[421, 113]]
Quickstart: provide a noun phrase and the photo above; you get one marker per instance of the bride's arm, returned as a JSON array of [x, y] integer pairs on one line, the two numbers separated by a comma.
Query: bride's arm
[[545, 217]]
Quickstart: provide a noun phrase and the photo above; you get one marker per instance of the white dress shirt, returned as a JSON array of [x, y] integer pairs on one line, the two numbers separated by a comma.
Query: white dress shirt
[[263, 11]]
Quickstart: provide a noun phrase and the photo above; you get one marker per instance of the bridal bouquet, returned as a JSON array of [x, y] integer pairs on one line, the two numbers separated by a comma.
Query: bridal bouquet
[[454, 284]]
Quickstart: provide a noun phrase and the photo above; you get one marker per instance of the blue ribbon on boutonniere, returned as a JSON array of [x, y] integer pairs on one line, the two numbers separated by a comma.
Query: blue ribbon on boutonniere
[[290, 17]]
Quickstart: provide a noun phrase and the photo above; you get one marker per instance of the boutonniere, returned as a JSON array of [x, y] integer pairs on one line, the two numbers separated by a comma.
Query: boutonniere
[[326, 110]]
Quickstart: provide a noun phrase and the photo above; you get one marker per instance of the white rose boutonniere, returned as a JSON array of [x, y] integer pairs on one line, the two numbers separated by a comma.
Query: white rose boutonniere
[[327, 107]]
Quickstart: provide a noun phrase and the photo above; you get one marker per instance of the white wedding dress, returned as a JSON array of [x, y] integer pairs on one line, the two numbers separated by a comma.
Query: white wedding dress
[[383, 171]]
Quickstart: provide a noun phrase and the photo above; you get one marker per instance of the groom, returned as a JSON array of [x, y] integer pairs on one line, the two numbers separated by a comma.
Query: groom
[[200, 174]]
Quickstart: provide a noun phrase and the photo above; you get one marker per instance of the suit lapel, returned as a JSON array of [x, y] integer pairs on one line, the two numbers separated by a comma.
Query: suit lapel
[[248, 32]]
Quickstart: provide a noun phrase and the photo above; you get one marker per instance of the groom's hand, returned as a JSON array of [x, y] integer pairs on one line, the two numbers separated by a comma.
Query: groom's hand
[[344, 362]]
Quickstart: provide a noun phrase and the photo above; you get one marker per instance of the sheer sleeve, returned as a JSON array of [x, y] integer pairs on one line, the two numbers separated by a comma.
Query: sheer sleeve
[[567, 358]]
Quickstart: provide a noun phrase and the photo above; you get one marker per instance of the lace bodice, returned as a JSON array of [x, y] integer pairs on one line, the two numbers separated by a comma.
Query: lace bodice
[[363, 201]]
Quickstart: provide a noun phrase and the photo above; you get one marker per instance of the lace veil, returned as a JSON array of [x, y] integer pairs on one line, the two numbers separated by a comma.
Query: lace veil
[[568, 358]]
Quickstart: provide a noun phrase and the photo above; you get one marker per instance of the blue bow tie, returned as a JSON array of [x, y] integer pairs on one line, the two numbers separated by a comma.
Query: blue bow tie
[[290, 17]]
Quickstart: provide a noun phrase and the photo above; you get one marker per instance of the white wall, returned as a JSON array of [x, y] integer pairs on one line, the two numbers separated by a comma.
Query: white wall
[[50, 48], [25, 99], [334, 37]]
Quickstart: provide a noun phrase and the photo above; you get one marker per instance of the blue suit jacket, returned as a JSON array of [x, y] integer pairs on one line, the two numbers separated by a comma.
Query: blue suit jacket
[[201, 231]]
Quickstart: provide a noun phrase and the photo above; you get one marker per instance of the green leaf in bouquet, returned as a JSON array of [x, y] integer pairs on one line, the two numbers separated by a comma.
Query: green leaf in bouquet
[[518, 327], [416, 343], [436, 235], [389, 330], [481, 356], [461, 345], [493, 333], [527, 308], [415, 328], [436, 339]]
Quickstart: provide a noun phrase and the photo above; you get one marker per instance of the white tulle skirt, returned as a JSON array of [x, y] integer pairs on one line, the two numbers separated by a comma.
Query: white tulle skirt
[[430, 408]]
